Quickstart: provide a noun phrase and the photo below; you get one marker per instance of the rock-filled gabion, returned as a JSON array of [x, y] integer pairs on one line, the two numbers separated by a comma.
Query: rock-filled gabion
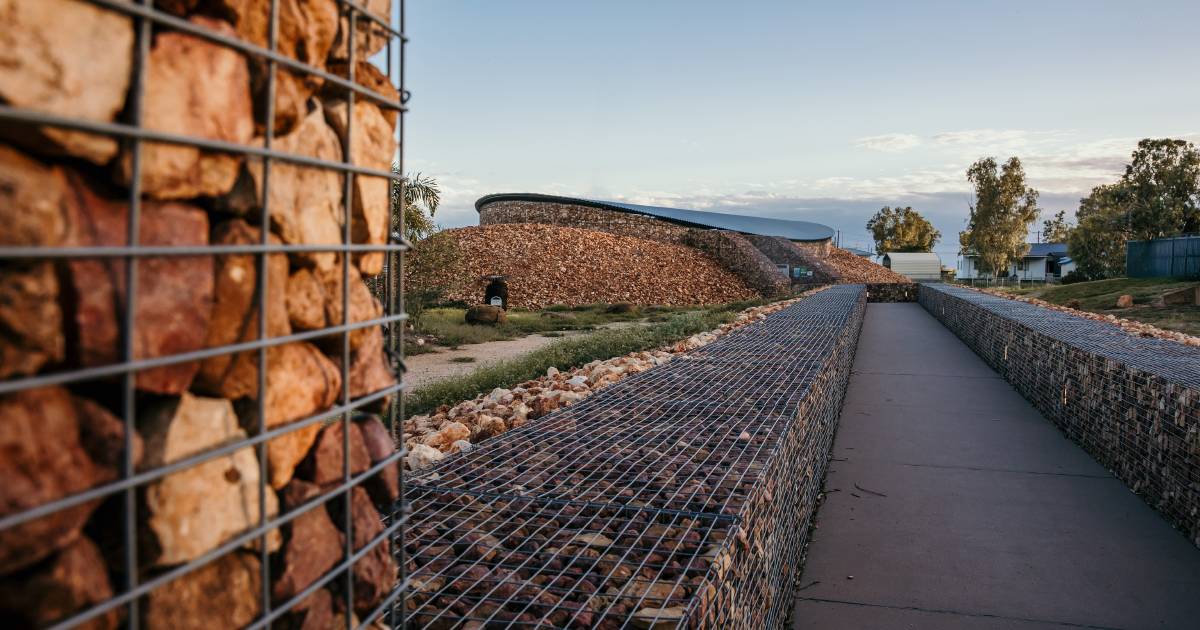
[[892, 292], [188, 346], [1133, 327], [677, 497], [454, 429], [1132, 402]]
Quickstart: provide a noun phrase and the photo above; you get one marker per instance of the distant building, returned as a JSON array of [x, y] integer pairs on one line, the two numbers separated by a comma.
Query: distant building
[[859, 252], [1045, 262], [917, 266]]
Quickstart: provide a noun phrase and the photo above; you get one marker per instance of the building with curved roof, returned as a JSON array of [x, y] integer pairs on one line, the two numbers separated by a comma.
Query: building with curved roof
[[768, 254], [596, 214]]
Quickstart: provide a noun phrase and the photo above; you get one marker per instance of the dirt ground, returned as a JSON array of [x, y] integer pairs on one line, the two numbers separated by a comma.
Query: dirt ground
[[424, 369]]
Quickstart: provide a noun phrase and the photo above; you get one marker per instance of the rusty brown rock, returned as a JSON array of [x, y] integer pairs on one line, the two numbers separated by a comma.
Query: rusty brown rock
[[305, 33], [1125, 301], [196, 509], [385, 486], [369, 76], [325, 462], [31, 333], [174, 293], [447, 435], [368, 37], [300, 382], [363, 306], [305, 301], [199, 88], [42, 459], [370, 370], [315, 612], [34, 201], [69, 581], [224, 593], [235, 312], [305, 202], [67, 58], [372, 145], [102, 435], [313, 545], [374, 573]]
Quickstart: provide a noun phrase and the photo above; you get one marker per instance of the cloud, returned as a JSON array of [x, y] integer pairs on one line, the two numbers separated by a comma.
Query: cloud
[[889, 142]]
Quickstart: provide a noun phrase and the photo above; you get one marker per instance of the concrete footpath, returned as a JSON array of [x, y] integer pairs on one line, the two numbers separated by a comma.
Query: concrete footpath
[[952, 503]]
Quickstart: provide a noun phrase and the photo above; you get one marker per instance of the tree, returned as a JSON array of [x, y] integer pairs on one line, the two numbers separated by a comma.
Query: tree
[[1000, 217], [421, 196], [431, 271], [1157, 195], [1057, 229], [1162, 189], [902, 230], [1097, 244]]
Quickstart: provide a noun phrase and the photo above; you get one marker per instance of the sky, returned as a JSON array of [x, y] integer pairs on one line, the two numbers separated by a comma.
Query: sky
[[819, 111]]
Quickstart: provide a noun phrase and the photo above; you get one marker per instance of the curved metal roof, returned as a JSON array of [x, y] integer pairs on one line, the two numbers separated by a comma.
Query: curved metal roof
[[794, 230]]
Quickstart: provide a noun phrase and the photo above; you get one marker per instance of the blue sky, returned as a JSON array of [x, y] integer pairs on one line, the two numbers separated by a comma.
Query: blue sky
[[822, 111]]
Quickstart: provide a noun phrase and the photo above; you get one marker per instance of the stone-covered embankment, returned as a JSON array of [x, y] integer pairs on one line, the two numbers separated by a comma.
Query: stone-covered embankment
[[679, 496], [1132, 402]]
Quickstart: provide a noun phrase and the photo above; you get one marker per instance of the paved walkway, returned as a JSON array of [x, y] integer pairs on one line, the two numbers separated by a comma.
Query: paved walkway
[[954, 504]]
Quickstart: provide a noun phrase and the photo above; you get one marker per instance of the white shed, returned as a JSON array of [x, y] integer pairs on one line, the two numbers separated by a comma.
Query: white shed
[[914, 265]]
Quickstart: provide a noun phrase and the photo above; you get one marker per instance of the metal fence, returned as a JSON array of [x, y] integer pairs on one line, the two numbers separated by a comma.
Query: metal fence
[[117, 506], [1174, 257]]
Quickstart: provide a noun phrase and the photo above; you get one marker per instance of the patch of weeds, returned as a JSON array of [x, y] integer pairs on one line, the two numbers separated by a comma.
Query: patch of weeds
[[564, 355], [463, 360]]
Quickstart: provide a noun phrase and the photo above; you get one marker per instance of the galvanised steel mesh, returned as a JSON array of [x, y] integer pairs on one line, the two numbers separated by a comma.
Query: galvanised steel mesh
[[679, 496], [118, 512], [1132, 402]]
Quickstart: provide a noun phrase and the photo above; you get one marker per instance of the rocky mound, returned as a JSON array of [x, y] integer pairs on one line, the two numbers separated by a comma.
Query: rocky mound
[[858, 270], [548, 264]]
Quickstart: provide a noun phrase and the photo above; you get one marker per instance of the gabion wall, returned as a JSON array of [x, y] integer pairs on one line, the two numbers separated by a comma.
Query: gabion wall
[[891, 292], [1133, 403], [679, 497]]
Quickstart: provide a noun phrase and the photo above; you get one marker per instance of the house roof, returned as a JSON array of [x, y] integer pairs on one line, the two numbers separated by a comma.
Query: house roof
[[913, 256], [1036, 250], [787, 228], [1046, 249], [859, 252]]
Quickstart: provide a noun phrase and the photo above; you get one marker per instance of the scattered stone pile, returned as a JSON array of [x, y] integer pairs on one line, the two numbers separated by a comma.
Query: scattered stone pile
[[547, 264], [858, 270], [1132, 327], [66, 188], [457, 428]]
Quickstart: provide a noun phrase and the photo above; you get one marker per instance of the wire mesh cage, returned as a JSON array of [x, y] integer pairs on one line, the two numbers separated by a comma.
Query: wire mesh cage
[[198, 388], [677, 497]]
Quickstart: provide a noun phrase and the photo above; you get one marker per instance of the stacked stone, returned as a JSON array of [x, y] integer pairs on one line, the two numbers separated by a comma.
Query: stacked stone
[[782, 251], [678, 497], [201, 486], [892, 292], [1132, 402], [740, 256]]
